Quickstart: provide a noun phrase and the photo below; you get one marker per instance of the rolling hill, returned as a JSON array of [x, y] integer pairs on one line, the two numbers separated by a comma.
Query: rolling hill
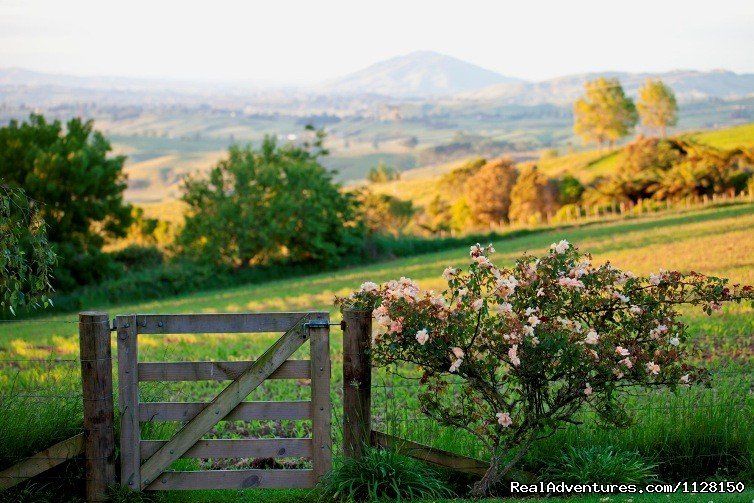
[[418, 74]]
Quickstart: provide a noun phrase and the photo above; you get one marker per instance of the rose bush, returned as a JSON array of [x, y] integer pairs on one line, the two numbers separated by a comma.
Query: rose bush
[[534, 344]]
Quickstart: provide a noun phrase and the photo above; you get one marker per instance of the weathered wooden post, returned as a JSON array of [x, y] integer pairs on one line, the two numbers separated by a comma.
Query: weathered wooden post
[[357, 382], [97, 386]]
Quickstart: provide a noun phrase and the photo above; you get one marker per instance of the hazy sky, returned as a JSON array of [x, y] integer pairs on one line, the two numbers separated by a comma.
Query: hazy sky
[[309, 41]]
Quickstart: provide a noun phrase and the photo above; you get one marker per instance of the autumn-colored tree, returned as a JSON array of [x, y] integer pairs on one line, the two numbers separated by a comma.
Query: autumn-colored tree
[[532, 197], [488, 191], [605, 114], [657, 106]]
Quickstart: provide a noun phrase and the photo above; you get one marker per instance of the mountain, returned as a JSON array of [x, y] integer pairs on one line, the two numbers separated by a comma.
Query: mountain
[[418, 74], [688, 85]]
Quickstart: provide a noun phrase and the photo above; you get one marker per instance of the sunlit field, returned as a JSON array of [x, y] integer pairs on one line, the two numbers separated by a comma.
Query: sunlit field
[[695, 433]]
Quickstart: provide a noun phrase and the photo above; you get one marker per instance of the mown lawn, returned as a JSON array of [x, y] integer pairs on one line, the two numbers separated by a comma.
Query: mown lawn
[[674, 430]]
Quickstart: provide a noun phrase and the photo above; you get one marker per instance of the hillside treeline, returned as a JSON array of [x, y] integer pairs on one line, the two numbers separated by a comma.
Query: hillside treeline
[[482, 194]]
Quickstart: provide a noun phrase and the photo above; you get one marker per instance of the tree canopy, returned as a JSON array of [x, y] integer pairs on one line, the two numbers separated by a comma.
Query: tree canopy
[[274, 203], [488, 191], [657, 106], [79, 188], [605, 114], [26, 260]]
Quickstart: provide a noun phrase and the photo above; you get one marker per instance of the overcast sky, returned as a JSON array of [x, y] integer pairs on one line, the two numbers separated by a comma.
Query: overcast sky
[[278, 41]]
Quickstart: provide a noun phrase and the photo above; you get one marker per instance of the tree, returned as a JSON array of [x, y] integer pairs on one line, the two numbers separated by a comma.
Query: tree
[[605, 114], [570, 189], [272, 204], [383, 173], [488, 191], [26, 260], [80, 188], [532, 197], [437, 217], [385, 214], [657, 106]]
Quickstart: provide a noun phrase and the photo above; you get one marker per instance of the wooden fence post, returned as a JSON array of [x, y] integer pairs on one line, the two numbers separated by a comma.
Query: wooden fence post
[[357, 382], [97, 387]]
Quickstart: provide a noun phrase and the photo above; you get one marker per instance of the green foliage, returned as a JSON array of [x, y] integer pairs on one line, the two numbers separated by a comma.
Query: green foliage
[[26, 260], [605, 114], [136, 257], [674, 169], [570, 189], [532, 345], [79, 187], [383, 173], [272, 204], [383, 213], [600, 465], [380, 475], [657, 106]]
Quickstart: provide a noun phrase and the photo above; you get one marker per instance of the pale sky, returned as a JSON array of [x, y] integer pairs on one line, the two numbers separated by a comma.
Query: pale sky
[[286, 42]]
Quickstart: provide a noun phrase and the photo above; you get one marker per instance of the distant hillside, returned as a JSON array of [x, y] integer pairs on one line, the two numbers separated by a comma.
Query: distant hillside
[[688, 85], [418, 74], [421, 185]]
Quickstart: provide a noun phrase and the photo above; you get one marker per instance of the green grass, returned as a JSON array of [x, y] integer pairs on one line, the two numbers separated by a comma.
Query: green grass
[[671, 430]]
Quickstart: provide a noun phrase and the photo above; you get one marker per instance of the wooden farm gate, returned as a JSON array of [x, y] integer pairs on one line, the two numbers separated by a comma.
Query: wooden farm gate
[[145, 463]]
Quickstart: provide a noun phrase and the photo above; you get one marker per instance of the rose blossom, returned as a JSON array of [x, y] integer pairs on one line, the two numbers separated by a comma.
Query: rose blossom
[[477, 304], [560, 247], [449, 273], [653, 368], [504, 419], [592, 337], [622, 351], [422, 336], [513, 355]]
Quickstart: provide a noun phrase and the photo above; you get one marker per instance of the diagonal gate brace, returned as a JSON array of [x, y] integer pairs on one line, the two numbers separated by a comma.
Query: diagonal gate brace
[[225, 402]]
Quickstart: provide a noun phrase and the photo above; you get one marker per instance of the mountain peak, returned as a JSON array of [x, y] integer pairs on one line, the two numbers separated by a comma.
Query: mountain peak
[[419, 73]]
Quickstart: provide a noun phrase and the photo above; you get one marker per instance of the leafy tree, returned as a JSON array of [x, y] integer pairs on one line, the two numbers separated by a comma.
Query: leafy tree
[[385, 214], [532, 197], [383, 173], [570, 189], [438, 216], [26, 259], [605, 114], [275, 203], [80, 188], [657, 106], [488, 192], [455, 181]]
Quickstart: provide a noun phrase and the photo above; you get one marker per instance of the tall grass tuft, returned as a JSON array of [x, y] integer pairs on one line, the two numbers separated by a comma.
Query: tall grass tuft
[[380, 475], [600, 464]]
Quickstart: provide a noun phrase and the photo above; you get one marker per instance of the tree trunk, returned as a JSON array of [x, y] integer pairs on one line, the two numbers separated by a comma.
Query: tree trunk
[[491, 477]]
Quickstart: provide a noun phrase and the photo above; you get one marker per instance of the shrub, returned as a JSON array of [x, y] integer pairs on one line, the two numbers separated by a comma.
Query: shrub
[[383, 474], [533, 345], [137, 257], [600, 465]]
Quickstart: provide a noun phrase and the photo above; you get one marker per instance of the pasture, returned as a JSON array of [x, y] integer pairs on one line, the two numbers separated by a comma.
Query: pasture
[[696, 433]]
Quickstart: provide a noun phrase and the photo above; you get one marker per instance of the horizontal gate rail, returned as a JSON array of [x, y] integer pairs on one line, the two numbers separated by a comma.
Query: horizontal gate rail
[[216, 371], [235, 479], [239, 448], [245, 411], [216, 323]]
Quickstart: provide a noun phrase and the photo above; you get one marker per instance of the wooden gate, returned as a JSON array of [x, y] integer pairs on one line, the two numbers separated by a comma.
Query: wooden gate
[[157, 456]]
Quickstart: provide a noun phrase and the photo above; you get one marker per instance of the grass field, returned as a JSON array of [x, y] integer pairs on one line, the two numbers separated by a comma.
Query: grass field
[[708, 429]]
